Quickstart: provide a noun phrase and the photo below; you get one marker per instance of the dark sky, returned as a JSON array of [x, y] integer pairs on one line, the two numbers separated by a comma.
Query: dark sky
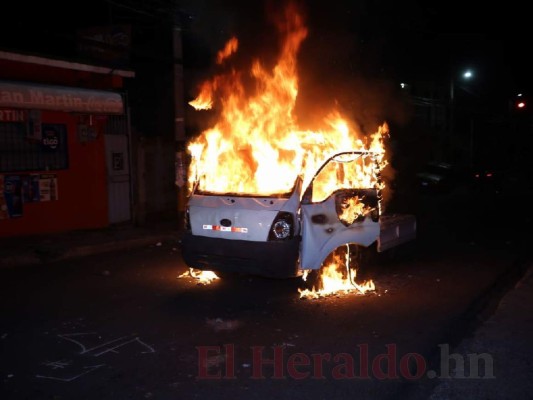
[[400, 39], [384, 39]]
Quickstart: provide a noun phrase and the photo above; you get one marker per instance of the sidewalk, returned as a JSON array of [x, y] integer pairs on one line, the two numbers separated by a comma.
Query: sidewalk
[[504, 339], [36, 249]]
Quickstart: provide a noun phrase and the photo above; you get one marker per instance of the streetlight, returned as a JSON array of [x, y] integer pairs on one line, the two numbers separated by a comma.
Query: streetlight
[[465, 75]]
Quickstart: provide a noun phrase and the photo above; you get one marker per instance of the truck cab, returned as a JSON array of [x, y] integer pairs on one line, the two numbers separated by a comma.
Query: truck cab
[[283, 234]]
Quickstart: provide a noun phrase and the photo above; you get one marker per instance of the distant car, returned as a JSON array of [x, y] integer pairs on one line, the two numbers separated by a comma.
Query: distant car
[[486, 179], [502, 181], [438, 177]]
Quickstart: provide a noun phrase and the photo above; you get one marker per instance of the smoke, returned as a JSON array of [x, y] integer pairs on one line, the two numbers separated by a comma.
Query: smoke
[[209, 24], [342, 63]]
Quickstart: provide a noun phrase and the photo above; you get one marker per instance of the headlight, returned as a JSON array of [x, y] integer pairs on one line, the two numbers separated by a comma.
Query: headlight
[[282, 227]]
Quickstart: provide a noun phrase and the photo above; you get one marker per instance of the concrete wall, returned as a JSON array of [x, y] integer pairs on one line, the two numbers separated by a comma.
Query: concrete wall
[[156, 191]]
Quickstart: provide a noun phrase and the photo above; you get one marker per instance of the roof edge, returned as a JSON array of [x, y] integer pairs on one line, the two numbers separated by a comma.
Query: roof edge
[[53, 62]]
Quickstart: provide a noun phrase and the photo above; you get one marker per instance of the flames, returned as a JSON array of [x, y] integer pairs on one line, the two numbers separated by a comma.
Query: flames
[[334, 281], [352, 209], [336, 277], [257, 145], [231, 47], [203, 277]]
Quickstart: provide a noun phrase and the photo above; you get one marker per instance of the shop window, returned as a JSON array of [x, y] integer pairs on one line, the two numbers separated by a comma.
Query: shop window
[[22, 151]]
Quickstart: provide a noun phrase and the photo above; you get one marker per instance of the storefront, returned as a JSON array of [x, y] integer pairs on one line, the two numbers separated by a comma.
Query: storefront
[[64, 150]]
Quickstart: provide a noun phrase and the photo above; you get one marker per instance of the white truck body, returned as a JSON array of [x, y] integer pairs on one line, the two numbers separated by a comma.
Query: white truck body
[[285, 234]]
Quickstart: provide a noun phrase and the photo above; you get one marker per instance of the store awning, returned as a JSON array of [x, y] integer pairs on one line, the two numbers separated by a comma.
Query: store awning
[[60, 98]]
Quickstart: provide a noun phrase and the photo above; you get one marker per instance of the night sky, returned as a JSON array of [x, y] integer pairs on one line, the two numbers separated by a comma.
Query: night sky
[[381, 40], [407, 36], [400, 38]]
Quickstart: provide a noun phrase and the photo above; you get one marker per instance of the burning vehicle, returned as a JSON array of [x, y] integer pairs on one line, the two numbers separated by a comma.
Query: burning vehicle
[[283, 234], [268, 197]]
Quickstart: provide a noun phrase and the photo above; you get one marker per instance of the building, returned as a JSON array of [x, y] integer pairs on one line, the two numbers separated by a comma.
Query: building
[[64, 145]]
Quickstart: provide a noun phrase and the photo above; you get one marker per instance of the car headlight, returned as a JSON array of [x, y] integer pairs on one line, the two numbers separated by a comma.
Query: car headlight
[[282, 227]]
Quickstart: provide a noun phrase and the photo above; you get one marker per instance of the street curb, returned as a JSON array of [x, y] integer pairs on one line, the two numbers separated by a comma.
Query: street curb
[[481, 309], [19, 260], [33, 257], [82, 251]]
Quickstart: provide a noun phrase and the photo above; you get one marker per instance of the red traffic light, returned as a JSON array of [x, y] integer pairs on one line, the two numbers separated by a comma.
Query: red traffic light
[[521, 104]]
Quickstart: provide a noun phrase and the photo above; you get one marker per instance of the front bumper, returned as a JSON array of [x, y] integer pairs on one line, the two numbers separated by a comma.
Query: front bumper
[[269, 259]]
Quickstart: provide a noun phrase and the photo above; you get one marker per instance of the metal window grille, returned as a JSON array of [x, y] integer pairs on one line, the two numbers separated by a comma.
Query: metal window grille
[[116, 125], [19, 152]]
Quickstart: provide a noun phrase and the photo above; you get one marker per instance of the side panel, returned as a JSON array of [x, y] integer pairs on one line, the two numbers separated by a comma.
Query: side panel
[[395, 230], [340, 206], [323, 232]]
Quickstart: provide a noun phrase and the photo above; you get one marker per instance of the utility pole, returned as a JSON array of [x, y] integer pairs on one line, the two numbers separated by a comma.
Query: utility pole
[[179, 113], [452, 105]]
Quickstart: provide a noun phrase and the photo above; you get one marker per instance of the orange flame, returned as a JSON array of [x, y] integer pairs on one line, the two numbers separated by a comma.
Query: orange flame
[[204, 101], [203, 277], [229, 49], [335, 278], [352, 209], [256, 146]]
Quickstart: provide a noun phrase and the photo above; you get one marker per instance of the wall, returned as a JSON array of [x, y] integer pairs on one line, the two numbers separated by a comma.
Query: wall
[[156, 189], [82, 188]]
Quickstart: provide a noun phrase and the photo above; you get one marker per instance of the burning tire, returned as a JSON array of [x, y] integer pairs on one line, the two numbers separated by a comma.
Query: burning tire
[[338, 274]]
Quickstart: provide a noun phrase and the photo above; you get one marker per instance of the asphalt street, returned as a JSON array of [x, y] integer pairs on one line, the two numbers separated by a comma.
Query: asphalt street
[[130, 324]]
